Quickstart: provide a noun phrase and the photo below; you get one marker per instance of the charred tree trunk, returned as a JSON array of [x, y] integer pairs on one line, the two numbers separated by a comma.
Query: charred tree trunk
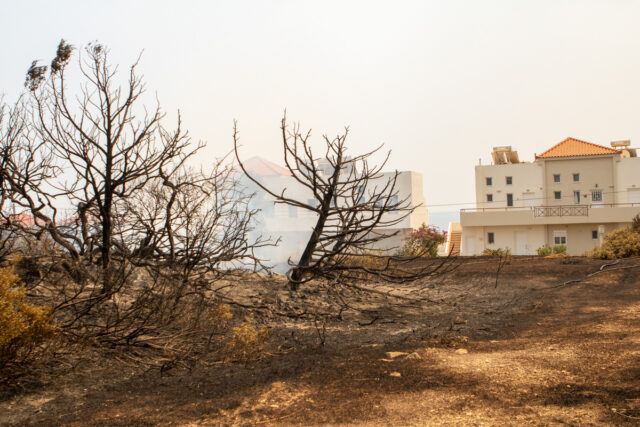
[[297, 273]]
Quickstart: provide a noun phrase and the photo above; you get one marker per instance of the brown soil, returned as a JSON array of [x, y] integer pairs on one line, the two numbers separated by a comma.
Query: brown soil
[[529, 351]]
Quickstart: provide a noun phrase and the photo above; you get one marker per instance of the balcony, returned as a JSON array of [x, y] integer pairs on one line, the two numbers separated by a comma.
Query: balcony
[[568, 210], [560, 214]]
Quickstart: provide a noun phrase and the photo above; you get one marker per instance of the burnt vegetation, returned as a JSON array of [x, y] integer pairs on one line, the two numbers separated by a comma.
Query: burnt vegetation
[[122, 240], [124, 245], [356, 207]]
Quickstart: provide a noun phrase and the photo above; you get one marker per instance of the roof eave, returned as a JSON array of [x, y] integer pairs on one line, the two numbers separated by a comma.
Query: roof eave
[[580, 156]]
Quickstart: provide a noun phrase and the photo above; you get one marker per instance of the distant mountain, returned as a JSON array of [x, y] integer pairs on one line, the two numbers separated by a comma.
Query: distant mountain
[[442, 219]]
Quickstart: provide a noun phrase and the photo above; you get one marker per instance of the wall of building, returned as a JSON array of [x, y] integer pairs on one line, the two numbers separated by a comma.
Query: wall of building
[[420, 214], [409, 187], [523, 216], [615, 177], [596, 173], [526, 184], [525, 240], [579, 236], [627, 179], [520, 240]]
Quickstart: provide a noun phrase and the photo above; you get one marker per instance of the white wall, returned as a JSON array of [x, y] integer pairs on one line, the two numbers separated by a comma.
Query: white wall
[[596, 173], [627, 177], [530, 238], [526, 178]]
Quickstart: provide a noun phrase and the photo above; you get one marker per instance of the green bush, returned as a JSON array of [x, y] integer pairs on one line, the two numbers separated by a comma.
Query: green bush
[[621, 243], [544, 250], [496, 252], [559, 249]]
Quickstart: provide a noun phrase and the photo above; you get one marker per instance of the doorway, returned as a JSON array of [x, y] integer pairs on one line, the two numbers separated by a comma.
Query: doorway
[[522, 243]]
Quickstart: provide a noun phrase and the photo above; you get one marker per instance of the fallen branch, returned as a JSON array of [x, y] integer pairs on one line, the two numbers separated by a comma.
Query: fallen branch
[[601, 270]]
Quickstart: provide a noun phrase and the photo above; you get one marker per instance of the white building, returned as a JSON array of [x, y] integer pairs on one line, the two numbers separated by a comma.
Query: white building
[[571, 194], [293, 225]]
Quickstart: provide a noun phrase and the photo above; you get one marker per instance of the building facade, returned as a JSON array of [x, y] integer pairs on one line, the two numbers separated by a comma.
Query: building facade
[[572, 194]]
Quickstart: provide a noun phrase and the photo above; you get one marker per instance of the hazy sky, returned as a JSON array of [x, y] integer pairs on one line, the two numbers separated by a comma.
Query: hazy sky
[[439, 83]]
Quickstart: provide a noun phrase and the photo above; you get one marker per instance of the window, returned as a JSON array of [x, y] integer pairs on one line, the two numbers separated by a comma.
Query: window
[[576, 197], [557, 195], [556, 178], [360, 198], [560, 237], [313, 202], [490, 238], [509, 180], [489, 197], [393, 204], [509, 199], [576, 177], [489, 181], [594, 234], [596, 196], [293, 212]]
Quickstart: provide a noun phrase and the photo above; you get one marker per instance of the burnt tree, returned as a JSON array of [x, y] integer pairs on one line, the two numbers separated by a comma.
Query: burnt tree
[[129, 240], [105, 145], [355, 205]]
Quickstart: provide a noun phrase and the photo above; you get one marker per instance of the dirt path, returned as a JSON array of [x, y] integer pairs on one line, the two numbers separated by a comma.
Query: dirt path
[[526, 352]]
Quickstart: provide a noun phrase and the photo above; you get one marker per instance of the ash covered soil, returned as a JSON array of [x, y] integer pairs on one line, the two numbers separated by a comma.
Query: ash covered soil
[[456, 349]]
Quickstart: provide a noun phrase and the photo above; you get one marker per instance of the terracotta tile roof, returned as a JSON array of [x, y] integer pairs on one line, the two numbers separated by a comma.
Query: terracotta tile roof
[[26, 220], [572, 147], [262, 167], [23, 219]]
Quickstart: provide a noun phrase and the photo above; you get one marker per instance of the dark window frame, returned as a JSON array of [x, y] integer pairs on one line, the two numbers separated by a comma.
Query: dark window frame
[[491, 238], [577, 200], [596, 196], [559, 236]]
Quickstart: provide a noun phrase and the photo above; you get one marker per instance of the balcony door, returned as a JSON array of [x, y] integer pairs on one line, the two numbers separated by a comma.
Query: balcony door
[[576, 197], [509, 199]]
